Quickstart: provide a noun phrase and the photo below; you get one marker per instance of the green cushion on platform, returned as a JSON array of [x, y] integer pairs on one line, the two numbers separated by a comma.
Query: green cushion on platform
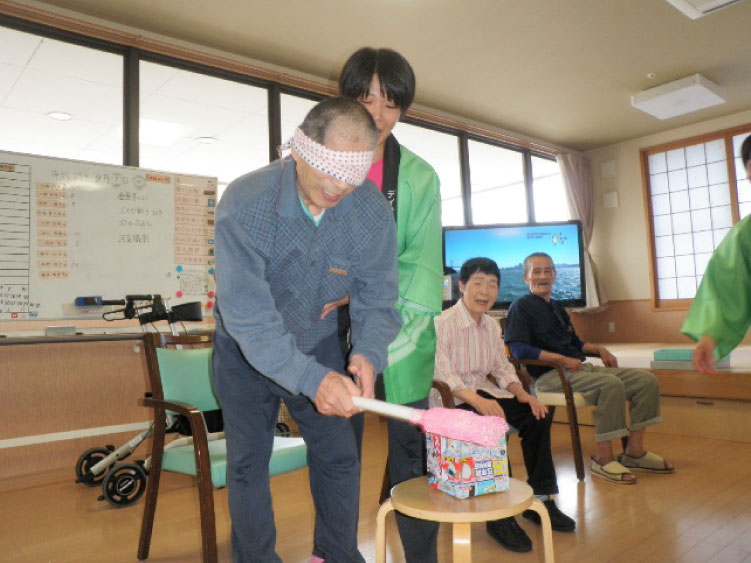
[[679, 355], [673, 355], [288, 454]]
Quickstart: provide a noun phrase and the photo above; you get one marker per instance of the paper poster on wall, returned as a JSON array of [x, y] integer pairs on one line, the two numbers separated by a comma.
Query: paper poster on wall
[[70, 229]]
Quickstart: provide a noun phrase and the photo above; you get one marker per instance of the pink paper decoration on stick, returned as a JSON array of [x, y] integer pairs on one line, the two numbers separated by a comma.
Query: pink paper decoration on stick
[[462, 425], [456, 424]]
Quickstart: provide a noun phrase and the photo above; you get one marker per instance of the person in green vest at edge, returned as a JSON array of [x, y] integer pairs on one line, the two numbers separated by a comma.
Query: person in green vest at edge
[[384, 83], [721, 311]]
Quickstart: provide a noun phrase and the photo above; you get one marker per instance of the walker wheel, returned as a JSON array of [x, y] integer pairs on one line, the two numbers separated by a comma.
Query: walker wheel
[[282, 429], [124, 485], [89, 459]]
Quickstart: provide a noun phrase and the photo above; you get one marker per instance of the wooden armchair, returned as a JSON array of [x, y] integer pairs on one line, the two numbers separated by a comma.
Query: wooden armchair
[[567, 398], [164, 396], [179, 370], [447, 398]]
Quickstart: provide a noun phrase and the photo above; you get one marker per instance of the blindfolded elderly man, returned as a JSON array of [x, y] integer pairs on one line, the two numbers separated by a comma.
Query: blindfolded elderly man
[[291, 237]]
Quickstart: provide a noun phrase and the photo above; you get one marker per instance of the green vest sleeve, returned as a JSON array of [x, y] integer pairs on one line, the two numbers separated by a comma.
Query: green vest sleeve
[[722, 306]]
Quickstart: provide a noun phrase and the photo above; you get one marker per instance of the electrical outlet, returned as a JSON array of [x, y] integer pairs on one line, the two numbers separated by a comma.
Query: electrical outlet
[[611, 326]]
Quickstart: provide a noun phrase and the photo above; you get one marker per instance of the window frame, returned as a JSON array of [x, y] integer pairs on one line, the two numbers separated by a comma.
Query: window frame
[[726, 135], [527, 154], [135, 48]]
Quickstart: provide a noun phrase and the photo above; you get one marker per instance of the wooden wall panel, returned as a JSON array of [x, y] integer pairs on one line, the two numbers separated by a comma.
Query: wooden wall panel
[[40, 458], [717, 419], [62, 387], [731, 385], [48, 388], [634, 321]]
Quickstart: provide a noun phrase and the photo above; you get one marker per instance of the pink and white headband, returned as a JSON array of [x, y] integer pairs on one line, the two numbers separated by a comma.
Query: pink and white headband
[[348, 166]]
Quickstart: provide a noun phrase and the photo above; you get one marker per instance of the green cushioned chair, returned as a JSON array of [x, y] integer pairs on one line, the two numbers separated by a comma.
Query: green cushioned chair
[[180, 380]]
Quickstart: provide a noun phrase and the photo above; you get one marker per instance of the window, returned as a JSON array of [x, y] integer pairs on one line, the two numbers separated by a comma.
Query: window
[[498, 190], [59, 99], [441, 151], [501, 191], [293, 110], [199, 124], [694, 195], [549, 193]]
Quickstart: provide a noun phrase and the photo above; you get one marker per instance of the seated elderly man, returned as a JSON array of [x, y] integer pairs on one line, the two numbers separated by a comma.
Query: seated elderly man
[[539, 328], [469, 346]]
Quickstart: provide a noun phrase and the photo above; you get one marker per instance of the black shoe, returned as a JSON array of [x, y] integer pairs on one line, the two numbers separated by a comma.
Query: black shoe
[[509, 534], [558, 520]]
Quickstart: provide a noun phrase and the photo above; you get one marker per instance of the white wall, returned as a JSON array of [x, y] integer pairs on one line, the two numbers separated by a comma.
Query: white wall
[[619, 242]]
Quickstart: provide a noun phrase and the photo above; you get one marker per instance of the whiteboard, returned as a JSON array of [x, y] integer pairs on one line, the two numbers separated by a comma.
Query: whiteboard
[[73, 229]]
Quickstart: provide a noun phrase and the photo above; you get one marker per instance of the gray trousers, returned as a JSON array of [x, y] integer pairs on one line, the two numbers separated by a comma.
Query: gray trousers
[[609, 389], [250, 404]]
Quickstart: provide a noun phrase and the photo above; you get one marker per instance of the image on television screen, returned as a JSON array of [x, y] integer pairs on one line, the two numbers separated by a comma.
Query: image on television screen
[[508, 245]]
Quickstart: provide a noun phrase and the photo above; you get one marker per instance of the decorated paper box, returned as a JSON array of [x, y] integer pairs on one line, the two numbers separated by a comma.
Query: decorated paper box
[[464, 469]]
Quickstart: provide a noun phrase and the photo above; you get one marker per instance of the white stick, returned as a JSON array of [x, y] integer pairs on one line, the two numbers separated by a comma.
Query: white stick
[[386, 409]]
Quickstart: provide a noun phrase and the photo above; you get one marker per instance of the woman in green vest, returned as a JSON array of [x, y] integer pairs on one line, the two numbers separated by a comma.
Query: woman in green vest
[[383, 82], [721, 311]]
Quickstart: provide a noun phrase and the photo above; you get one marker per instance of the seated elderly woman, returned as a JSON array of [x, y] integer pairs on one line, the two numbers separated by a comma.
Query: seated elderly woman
[[469, 347]]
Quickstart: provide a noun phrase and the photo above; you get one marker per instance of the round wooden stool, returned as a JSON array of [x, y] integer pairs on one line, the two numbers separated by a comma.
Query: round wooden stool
[[418, 499]]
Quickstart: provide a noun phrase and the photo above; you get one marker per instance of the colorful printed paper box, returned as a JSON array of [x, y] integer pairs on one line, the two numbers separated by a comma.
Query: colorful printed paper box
[[464, 469]]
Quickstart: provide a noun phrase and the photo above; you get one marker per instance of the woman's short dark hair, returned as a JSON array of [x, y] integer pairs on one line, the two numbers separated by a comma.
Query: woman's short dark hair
[[746, 151], [394, 73], [482, 265]]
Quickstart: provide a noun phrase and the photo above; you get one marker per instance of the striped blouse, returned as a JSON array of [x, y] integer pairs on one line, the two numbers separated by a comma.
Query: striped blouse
[[467, 352]]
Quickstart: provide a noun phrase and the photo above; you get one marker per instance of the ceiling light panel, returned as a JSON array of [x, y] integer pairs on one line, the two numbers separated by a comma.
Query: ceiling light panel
[[87, 65], [43, 92], [695, 9], [18, 47], [60, 115], [679, 97]]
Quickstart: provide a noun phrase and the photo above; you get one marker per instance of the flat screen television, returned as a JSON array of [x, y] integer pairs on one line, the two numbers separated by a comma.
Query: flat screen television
[[508, 245]]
